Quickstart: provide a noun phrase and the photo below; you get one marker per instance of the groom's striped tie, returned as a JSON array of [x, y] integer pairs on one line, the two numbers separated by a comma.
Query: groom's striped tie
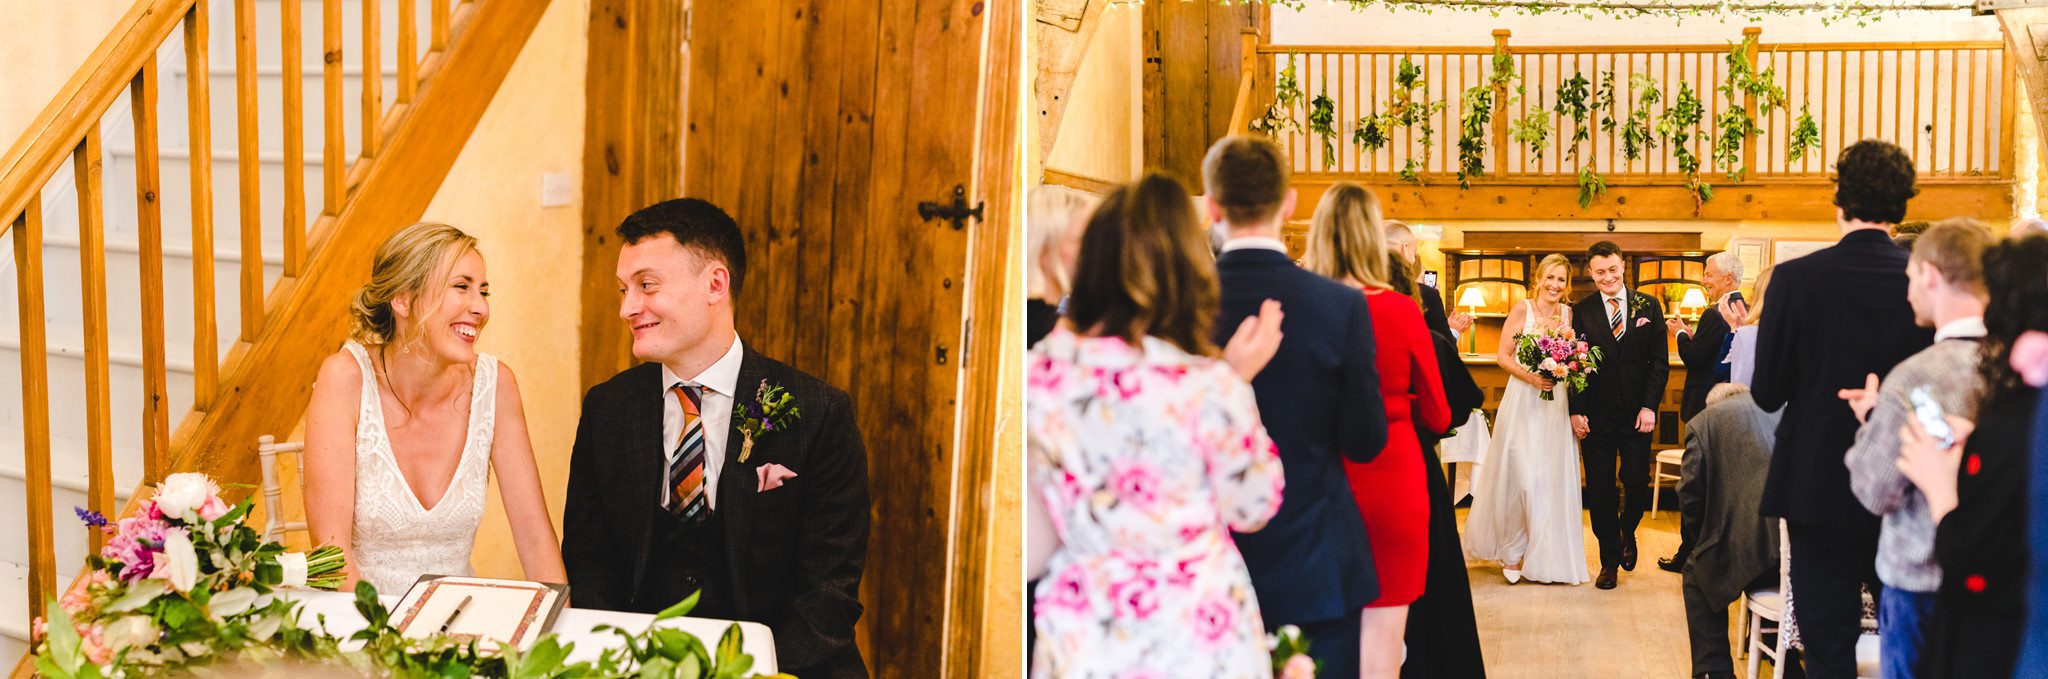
[[685, 478], [1614, 317]]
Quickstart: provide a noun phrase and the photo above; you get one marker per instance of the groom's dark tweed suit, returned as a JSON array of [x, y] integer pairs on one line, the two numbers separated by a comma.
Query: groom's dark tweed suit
[[793, 555]]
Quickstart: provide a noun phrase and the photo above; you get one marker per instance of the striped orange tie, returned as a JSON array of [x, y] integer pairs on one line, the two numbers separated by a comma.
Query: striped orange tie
[[685, 477], [1614, 316]]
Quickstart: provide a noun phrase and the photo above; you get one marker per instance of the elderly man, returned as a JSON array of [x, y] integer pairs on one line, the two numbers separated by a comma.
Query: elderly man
[[1702, 352], [1721, 484]]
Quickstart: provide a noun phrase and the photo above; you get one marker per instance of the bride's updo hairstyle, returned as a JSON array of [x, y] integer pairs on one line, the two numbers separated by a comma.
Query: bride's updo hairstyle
[[404, 264], [1550, 260]]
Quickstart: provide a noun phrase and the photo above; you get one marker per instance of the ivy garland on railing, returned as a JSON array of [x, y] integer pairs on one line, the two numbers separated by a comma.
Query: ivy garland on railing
[[1678, 125], [1279, 117], [1636, 137], [1863, 12], [1322, 122], [1805, 135], [1734, 125], [1478, 114], [1408, 110]]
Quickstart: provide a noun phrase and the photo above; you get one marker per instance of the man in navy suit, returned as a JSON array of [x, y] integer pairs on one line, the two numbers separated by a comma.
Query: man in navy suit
[[1831, 318], [1319, 398], [1702, 349], [1614, 416]]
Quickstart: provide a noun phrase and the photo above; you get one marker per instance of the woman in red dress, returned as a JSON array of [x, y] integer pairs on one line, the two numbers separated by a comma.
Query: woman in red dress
[[1346, 243]]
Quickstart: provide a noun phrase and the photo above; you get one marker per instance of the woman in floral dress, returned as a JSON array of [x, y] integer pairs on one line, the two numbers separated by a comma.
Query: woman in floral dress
[[1146, 450]]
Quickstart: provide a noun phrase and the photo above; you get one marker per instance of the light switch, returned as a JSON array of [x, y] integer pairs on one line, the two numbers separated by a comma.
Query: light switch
[[556, 189]]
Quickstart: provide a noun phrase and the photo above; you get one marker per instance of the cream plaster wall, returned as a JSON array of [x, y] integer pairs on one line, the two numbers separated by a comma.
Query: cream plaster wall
[[1099, 135], [46, 42], [533, 255]]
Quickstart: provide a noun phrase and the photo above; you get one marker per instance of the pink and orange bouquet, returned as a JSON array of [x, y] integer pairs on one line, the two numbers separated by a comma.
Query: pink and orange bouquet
[[1557, 354]]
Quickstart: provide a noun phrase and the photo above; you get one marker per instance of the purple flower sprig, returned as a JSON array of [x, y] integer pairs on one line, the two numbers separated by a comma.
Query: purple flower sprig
[[773, 408], [91, 518]]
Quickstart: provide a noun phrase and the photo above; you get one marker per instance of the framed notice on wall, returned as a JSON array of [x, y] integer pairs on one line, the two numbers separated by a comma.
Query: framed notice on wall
[[1787, 250], [1750, 252]]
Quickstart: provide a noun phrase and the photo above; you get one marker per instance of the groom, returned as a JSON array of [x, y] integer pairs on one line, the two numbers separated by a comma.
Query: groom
[[670, 494], [1614, 416]]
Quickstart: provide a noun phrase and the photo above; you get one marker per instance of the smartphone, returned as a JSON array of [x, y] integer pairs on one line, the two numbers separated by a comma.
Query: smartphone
[[1429, 278], [1735, 296], [1930, 415]]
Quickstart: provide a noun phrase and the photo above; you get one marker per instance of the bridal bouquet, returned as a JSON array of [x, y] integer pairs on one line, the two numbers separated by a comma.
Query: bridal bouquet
[[180, 581], [1559, 355]]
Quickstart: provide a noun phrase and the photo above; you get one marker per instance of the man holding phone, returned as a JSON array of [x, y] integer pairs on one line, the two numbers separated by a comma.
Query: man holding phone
[[1702, 352], [1945, 285]]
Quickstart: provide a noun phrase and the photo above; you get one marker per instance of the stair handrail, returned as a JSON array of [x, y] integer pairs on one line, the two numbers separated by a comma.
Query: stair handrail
[[38, 153]]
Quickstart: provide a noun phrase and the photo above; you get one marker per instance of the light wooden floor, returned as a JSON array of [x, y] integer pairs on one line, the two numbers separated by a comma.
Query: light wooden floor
[[1537, 631]]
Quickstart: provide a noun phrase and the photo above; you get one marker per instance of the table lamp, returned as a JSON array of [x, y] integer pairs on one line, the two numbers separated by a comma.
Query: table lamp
[[1472, 299], [1693, 299]]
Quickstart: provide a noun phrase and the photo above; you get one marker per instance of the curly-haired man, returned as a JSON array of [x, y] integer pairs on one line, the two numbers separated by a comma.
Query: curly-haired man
[[1830, 318]]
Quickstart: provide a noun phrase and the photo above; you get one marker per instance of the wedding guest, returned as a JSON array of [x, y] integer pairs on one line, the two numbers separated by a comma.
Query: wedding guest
[[1830, 318], [2030, 226], [1721, 482], [670, 497], [1744, 314], [409, 421], [1145, 448], [1312, 566], [1976, 487], [1704, 353], [1402, 244], [1946, 289], [1442, 638], [1346, 244], [2030, 361], [1056, 216]]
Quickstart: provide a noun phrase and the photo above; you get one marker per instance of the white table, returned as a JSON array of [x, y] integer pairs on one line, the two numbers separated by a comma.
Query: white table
[[574, 625]]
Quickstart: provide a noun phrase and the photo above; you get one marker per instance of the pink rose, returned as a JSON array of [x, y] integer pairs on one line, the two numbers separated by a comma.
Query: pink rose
[[1299, 667], [92, 640], [1069, 591], [1136, 482], [1213, 620], [213, 509], [1136, 598], [1574, 365]]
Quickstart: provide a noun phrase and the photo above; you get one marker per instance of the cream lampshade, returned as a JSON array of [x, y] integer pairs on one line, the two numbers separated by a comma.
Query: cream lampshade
[[1471, 298], [1694, 299]]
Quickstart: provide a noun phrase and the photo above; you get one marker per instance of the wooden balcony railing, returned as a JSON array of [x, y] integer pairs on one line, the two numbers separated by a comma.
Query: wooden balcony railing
[[69, 128], [1950, 104]]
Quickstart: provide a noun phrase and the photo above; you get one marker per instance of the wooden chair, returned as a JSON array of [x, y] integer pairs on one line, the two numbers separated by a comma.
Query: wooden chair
[[267, 450], [1672, 457]]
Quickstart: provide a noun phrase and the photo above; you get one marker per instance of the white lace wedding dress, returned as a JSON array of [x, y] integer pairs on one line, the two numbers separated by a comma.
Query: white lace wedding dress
[[1526, 507], [396, 538]]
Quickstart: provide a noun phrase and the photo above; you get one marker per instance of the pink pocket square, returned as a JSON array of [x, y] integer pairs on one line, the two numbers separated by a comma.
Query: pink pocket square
[[771, 476], [1640, 322]]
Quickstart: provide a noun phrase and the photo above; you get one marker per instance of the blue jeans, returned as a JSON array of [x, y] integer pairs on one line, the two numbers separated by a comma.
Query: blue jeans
[[1902, 630]]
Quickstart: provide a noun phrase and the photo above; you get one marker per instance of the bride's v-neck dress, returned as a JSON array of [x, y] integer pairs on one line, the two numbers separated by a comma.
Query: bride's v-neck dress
[[397, 539]]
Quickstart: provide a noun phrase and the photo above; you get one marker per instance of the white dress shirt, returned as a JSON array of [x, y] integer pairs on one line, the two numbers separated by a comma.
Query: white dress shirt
[[1255, 243], [1965, 327], [718, 382]]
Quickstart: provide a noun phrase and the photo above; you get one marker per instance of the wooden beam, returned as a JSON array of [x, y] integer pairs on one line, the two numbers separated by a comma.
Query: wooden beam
[[2032, 72], [632, 153], [1786, 201]]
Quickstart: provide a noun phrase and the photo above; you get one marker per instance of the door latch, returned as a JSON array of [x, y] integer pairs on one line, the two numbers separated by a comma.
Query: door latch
[[957, 213]]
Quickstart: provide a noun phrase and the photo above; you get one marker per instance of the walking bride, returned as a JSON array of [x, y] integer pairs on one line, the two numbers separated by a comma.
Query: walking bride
[[1525, 512]]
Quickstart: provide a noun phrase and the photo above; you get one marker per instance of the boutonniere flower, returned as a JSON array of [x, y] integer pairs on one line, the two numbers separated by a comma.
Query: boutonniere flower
[[773, 409], [1637, 302]]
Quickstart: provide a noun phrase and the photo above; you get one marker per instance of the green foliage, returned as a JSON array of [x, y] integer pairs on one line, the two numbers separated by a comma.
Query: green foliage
[[1322, 121], [1678, 125], [1410, 109], [1478, 113], [1636, 137], [1861, 12], [1603, 101], [1533, 130], [1369, 133], [1805, 135], [1733, 128], [1279, 117], [1590, 185], [1574, 101]]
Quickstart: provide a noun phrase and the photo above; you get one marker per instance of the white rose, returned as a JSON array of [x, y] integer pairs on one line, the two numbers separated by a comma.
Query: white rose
[[231, 602], [178, 563], [130, 630], [1548, 364], [294, 565], [181, 495]]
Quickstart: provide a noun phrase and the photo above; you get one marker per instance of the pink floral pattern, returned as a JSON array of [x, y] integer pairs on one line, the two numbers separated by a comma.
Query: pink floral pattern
[[1147, 457]]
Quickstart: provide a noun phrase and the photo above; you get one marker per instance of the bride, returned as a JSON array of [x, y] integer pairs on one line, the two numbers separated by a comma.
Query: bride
[[1525, 512], [408, 422]]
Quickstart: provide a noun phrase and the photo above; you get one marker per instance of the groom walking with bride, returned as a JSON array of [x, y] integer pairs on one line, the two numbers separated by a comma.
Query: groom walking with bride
[[1614, 416]]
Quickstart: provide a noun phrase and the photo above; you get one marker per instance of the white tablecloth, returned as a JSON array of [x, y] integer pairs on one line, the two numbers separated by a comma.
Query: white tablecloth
[[574, 625]]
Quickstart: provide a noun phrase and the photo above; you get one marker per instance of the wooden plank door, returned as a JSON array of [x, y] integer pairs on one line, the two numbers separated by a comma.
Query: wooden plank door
[[821, 124], [1191, 73]]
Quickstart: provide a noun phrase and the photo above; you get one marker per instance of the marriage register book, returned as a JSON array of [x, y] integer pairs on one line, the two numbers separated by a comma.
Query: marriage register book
[[514, 612]]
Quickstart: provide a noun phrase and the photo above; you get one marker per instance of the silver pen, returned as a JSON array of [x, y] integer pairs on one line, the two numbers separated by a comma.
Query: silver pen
[[452, 615]]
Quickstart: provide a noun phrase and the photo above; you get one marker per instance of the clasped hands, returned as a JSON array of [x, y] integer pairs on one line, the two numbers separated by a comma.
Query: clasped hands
[[1645, 422]]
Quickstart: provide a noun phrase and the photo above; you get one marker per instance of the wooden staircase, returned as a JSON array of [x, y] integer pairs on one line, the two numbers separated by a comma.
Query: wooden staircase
[[140, 298]]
